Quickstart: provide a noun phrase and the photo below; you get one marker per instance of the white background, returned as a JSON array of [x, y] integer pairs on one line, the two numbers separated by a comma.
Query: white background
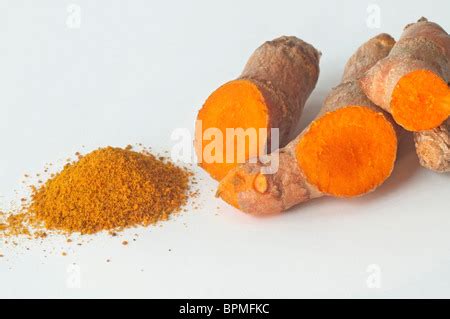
[[133, 72]]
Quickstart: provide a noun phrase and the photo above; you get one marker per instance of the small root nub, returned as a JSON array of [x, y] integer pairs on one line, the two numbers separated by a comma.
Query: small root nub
[[260, 183]]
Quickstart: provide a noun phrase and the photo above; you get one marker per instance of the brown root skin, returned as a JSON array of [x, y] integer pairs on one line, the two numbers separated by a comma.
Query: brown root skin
[[286, 188], [360, 62], [270, 93], [423, 52], [290, 185], [428, 30], [433, 148]]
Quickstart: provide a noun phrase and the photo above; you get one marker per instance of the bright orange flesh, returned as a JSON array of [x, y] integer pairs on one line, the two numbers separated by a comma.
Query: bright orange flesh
[[236, 104], [420, 101], [348, 152]]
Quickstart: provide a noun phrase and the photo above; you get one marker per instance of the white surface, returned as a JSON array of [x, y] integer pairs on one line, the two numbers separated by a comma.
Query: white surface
[[133, 72]]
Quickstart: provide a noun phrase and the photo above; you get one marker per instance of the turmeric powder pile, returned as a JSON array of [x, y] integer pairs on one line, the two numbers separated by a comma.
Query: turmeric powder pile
[[108, 189]]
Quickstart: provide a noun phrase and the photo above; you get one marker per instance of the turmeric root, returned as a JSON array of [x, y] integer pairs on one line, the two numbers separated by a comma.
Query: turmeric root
[[412, 84], [349, 150], [433, 148], [270, 93]]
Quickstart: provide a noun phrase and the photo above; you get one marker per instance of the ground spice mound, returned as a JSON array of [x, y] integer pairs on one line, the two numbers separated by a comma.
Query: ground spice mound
[[109, 189]]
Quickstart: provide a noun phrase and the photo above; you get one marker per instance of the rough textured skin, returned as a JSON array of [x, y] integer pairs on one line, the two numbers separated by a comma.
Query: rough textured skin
[[367, 56], [288, 186], [286, 71], [423, 46], [433, 148], [349, 91]]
